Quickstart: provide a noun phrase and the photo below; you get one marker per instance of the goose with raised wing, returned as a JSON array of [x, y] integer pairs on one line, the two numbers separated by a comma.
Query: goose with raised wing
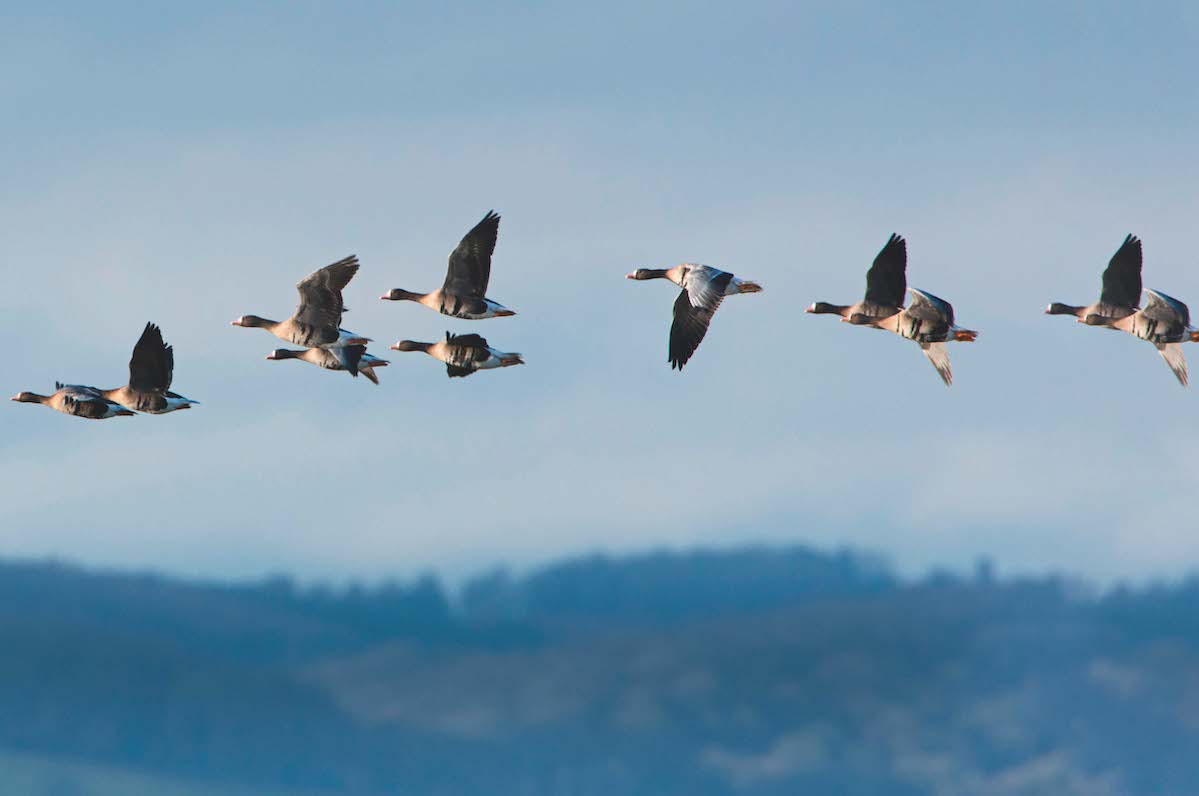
[[76, 400], [324, 358], [464, 293], [1165, 322], [316, 322], [885, 283], [704, 288], [463, 354], [1121, 293], [929, 322], [151, 369]]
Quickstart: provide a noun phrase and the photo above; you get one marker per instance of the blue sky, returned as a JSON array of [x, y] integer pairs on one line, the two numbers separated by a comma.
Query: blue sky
[[189, 165]]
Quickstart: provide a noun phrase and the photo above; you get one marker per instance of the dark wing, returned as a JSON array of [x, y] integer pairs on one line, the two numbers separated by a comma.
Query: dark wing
[[1122, 277], [464, 350], [152, 363], [468, 340], [470, 262], [320, 294], [887, 278], [928, 307], [84, 401], [693, 311], [349, 356]]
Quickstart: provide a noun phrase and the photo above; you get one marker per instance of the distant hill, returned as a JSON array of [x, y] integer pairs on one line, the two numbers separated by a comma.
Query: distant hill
[[772, 671]]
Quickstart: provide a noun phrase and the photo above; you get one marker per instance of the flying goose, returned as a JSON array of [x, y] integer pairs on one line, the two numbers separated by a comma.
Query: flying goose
[[885, 283], [150, 372], [1121, 292], [928, 321], [704, 288], [322, 357], [463, 354], [317, 320], [1165, 322], [77, 400], [464, 294]]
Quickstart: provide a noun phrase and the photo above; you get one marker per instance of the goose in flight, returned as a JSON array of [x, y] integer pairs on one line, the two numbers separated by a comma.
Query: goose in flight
[[150, 372], [704, 288], [1165, 321], [464, 294], [928, 321], [1121, 292], [77, 400], [885, 283], [463, 354], [317, 320], [324, 358]]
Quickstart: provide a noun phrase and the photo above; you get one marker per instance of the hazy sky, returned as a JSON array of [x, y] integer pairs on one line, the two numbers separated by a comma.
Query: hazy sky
[[189, 165]]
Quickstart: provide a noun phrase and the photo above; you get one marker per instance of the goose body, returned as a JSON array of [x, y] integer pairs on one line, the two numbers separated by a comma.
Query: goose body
[[463, 354], [151, 370], [929, 322], [329, 360], [76, 400], [1121, 293], [1165, 322], [464, 294], [885, 284], [704, 288], [316, 322]]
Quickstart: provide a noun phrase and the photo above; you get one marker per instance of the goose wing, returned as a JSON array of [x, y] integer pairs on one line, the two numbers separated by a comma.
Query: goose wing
[[1122, 277], [320, 294], [939, 356], [928, 307], [703, 290], [887, 277], [464, 352], [1161, 307], [153, 362], [1172, 353], [83, 401], [470, 263]]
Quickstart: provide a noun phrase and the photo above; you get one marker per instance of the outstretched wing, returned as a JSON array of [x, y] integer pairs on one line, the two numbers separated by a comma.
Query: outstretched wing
[[470, 263], [928, 307], [320, 294], [939, 356], [703, 290], [1161, 307], [887, 277], [153, 362], [1122, 277], [1172, 353]]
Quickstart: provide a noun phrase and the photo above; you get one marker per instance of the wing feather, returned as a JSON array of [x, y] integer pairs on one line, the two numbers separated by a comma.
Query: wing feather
[[1172, 353], [469, 270], [939, 356], [1122, 277], [153, 362], [887, 278], [693, 311], [321, 302]]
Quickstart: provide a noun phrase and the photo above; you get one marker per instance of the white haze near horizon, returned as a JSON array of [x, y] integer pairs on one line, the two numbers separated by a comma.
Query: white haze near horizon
[[188, 166]]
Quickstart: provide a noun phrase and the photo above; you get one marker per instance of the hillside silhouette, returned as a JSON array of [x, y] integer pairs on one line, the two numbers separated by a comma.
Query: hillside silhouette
[[771, 671]]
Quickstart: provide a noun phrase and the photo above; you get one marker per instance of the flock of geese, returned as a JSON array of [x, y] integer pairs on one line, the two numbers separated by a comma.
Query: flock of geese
[[316, 324]]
